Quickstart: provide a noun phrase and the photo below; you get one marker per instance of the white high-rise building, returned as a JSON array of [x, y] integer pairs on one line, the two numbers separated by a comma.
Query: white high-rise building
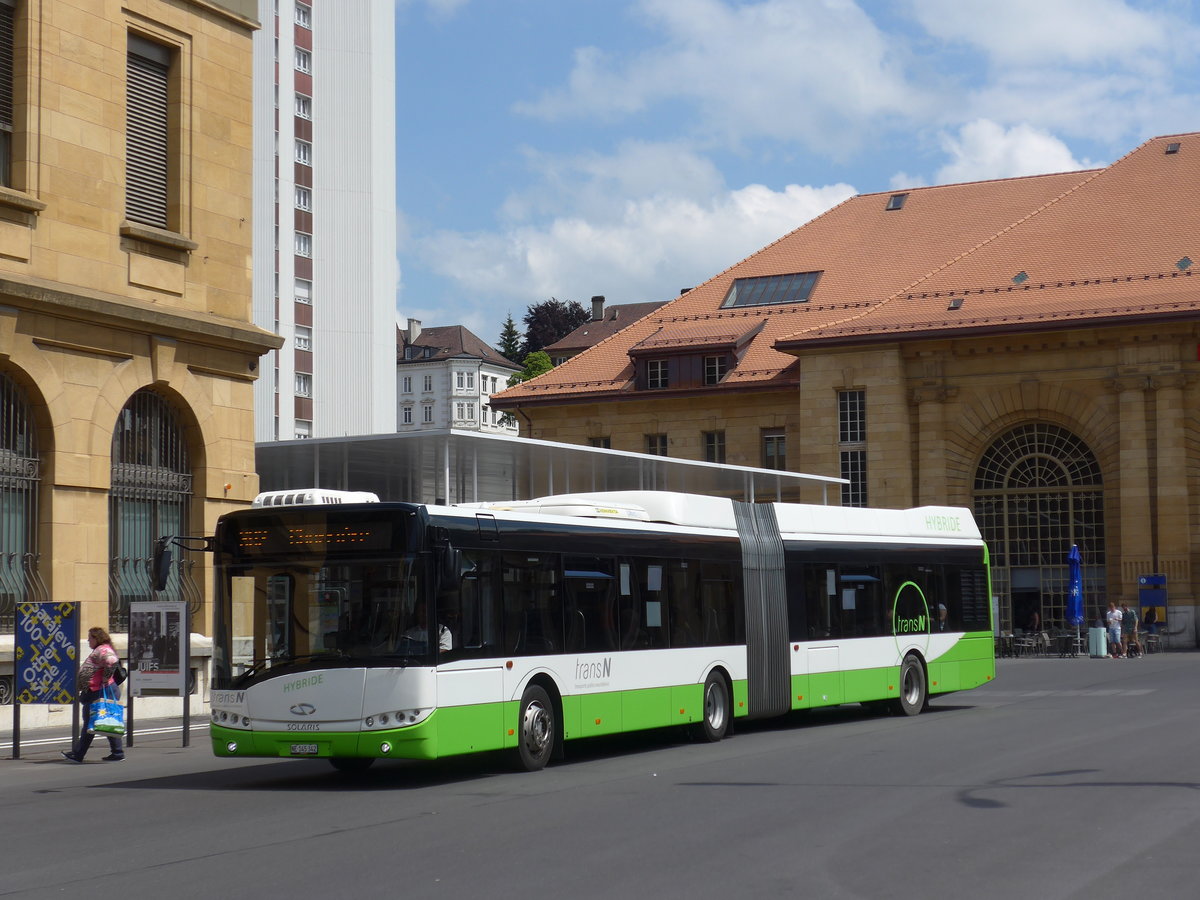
[[325, 269]]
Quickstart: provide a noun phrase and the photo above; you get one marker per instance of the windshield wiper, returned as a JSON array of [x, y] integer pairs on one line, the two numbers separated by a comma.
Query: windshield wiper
[[335, 657]]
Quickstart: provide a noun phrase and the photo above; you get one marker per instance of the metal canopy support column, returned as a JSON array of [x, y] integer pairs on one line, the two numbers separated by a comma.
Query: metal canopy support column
[[446, 470]]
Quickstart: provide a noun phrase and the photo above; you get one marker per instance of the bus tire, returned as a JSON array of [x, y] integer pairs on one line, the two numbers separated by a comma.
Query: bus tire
[[351, 765], [717, 709], [913, 693], [537, 729]]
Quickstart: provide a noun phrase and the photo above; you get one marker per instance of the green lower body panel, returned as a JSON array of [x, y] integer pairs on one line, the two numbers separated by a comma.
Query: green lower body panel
[[415, 742]]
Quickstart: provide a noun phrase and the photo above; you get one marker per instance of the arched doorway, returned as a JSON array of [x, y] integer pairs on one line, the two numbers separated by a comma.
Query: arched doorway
[[150, 497], [1038, 490], [20, 481]]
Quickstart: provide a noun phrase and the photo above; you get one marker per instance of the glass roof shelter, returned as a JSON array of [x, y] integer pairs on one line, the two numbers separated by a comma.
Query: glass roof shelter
[[449, 466]]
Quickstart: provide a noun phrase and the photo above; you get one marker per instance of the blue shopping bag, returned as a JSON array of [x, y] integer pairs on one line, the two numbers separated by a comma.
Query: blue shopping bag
[[107, 715]]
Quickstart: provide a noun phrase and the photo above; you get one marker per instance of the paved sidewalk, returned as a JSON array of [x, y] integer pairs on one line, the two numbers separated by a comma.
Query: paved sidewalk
[[147, 732]]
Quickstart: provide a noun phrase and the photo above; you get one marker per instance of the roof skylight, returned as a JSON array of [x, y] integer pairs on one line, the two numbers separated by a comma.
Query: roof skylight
[[896, 201], [771, 290]]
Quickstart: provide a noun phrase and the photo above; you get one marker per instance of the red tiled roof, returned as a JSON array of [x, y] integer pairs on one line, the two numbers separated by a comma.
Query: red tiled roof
[[594, 331], [1100, 245]]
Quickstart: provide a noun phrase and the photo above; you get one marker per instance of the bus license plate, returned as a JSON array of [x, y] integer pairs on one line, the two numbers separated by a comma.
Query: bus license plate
[[304, 750]]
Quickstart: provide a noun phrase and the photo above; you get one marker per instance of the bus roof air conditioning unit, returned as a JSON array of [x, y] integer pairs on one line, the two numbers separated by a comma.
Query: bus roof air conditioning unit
[[312, 497]]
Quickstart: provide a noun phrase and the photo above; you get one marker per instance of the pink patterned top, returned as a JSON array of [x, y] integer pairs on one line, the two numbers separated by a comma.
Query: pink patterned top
[[97, 670]]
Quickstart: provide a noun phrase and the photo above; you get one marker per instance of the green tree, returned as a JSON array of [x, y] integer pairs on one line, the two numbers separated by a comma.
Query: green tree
[[549, 321], [535, 364], [510, 340]]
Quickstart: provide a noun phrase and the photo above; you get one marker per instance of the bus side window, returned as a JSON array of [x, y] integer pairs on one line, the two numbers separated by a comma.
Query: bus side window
[[533, 622], [590, 583], [860, 602], [683, 603], [720, 593], [820, 592], [647, 604], [797, 613]]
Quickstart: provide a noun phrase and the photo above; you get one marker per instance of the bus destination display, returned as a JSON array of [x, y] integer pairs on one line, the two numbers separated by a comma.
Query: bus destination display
[[278, 539]]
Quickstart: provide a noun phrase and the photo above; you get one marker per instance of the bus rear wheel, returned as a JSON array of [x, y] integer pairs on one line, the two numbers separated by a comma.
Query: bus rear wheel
[[913, 695], [351, 764], [536, 729], [716, 708]]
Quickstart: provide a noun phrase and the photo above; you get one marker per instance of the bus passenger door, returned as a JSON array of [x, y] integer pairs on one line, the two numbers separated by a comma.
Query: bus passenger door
[[470, 690]]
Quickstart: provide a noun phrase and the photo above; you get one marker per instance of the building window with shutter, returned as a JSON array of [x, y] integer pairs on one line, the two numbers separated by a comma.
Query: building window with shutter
[[774, 448], [657, 374], [303, 337], [148, 137], [852, 446], [303, 384], [7, 14], [656, 444], [303, 199], [714, 446], [303, 244], [303, 61], [303, 106]]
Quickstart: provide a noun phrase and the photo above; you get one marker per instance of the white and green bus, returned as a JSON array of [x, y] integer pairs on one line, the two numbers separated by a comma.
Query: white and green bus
[[354, 631]]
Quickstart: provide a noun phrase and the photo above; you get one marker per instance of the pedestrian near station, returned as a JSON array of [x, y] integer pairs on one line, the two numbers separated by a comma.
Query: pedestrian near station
[[96, 677]]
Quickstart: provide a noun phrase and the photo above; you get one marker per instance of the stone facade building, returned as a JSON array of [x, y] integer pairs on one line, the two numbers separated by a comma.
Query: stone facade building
[[127, 353], [1026, 347]]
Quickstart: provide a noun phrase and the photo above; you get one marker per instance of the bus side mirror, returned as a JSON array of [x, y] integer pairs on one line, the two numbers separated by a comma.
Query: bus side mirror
[[160, 563]]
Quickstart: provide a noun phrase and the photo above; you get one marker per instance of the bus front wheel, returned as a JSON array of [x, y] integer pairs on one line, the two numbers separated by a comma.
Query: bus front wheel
[[716, 708], [913, 694], [536, 729]]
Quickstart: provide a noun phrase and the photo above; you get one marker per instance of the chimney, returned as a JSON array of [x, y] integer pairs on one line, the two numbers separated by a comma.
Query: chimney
[[414, 330], [597, 308]]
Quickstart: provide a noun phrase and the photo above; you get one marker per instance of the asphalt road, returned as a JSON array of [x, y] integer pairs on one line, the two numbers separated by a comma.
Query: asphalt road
[[1064, 778]]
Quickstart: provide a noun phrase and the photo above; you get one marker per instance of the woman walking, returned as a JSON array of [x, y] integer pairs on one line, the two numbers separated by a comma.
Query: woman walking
[[96, 674]]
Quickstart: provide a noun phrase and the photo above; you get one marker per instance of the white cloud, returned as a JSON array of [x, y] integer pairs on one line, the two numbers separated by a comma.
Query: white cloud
[[1062, 32], [648, 239], [818, 72], [984, 150]]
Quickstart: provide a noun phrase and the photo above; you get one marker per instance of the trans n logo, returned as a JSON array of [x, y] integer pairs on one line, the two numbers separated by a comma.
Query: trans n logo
[[910, 617]]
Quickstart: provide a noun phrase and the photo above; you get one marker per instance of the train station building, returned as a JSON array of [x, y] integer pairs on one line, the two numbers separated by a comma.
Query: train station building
[[1026, 347]]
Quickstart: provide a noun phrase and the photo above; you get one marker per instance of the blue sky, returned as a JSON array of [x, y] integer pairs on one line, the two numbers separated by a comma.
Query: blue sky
[[632, 148]]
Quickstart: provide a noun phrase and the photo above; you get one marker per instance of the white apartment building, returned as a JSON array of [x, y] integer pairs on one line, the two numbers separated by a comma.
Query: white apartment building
[[325, 269], [445, 378]]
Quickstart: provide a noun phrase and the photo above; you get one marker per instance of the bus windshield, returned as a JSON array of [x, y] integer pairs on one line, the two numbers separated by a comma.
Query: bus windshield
[[289, 616]]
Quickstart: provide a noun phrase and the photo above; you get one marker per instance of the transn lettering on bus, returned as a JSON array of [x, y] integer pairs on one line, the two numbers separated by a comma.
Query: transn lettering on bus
[[905, 626], [593, 671]]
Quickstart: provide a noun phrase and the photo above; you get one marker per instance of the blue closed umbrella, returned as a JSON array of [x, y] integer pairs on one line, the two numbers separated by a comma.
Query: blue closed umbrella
[[1075, 593]]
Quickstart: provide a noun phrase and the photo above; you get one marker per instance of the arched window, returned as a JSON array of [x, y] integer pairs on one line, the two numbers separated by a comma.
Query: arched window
[[1038, 490], [19, 481], [150, 497]]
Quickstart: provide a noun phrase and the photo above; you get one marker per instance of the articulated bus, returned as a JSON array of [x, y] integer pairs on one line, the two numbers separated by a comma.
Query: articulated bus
[[355, 631]]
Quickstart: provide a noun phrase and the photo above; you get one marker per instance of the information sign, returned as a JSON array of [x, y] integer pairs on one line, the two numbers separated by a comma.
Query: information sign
[[156, 635], [45, 652]]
